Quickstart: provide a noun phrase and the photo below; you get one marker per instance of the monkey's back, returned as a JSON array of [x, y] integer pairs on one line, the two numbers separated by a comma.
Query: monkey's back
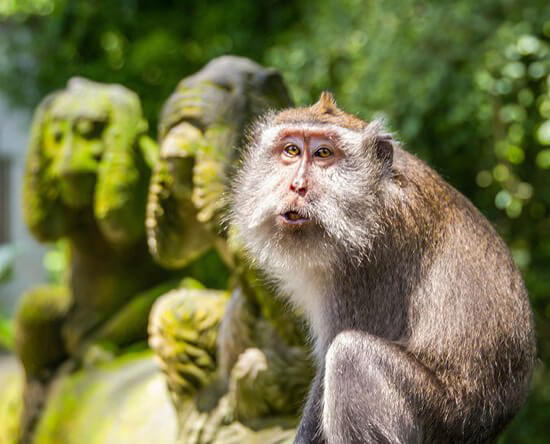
[[469, 320]]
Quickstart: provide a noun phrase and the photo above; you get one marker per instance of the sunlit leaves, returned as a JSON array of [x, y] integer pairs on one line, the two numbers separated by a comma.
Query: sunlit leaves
[[543, 159], [27, 7], [543, 133], [528, 44]]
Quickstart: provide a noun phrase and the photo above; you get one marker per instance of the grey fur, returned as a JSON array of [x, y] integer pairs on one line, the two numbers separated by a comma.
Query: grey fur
[[421, 321]]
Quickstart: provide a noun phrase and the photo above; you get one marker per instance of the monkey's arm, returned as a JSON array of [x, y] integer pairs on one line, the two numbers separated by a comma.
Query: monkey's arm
[[375, 391]]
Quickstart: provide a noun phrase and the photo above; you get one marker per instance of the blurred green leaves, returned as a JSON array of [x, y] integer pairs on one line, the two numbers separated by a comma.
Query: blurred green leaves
[[6, 333], [144, 44], [26, 7], [7, 255]]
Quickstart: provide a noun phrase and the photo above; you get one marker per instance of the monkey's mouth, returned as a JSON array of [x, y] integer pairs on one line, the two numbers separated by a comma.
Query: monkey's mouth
[[293, 218]]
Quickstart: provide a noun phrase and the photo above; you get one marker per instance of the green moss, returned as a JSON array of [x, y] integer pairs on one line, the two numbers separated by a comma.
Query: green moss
[[210, 270], [183, 331], [38, 341], [84, 153], [11, 399], [44, 304], [130, 323], [124, 401], [175, 236]]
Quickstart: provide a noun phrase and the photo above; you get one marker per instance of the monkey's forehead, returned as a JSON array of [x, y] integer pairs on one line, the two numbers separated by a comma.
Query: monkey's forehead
[[273, 134]]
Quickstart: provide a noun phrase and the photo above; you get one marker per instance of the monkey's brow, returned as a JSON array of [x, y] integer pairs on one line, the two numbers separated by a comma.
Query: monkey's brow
[[302, 131]]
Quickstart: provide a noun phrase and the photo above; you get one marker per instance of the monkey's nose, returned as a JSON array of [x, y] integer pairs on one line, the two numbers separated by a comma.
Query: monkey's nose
[[299, 185]]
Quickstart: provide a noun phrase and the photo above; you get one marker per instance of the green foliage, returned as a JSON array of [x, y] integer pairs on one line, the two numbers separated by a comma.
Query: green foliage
[[6, 333], [13, 7], [148, 46]]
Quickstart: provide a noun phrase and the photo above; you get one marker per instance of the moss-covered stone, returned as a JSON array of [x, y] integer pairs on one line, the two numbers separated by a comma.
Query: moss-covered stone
[[123, 401], [129, 324], [11, 399], [86, 182], [183, 331], [84, 151], [38, 340]]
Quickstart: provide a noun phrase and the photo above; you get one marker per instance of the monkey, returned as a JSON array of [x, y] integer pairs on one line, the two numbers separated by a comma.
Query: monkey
[[421, 326]]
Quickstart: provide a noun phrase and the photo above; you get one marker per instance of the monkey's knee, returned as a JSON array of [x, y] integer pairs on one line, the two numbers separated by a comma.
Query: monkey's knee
[[361, 402]]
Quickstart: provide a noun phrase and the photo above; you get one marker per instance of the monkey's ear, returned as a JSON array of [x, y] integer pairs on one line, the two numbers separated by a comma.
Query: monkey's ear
[[383, 148], [378, 141]]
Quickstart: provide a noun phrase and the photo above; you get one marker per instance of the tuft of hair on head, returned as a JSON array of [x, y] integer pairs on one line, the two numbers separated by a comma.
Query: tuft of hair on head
[[326, 104], [324, 111]]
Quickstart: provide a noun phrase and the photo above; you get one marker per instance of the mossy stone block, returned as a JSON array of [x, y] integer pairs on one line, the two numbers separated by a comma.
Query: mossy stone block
[[123, 401]]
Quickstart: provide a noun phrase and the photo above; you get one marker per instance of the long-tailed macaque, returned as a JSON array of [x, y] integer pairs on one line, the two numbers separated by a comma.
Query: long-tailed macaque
[[421, 323]]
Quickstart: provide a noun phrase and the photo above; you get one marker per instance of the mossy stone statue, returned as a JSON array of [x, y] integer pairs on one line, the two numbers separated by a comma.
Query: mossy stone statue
[[86, 181]]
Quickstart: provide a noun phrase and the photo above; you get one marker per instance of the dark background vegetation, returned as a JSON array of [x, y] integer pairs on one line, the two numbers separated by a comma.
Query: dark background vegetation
[[464, 83]]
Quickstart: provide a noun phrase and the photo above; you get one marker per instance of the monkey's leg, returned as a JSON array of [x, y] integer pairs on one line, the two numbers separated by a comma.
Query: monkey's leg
[[373, 392]]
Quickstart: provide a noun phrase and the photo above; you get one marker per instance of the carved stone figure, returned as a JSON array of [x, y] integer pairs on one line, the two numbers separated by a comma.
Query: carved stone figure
[[237, 366], [86, 181]]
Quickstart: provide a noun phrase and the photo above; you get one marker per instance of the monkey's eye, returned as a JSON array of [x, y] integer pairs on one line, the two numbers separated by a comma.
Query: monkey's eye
[[323, 152], [291, 150]]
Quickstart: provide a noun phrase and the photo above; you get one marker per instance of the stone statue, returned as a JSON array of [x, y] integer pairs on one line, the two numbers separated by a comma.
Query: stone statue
[[86, 181], [236, 361]]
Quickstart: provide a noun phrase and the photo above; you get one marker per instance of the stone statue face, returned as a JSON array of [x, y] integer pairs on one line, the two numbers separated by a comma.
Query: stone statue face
[[74, 139], [83, 154]]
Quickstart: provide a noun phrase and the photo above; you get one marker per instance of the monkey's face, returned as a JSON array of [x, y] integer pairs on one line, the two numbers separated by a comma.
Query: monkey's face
[[306, 193]]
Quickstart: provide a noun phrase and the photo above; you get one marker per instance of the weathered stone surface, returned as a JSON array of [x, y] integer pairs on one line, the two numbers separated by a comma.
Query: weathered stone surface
[[86, 181], [123, 401], [11, 398]]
